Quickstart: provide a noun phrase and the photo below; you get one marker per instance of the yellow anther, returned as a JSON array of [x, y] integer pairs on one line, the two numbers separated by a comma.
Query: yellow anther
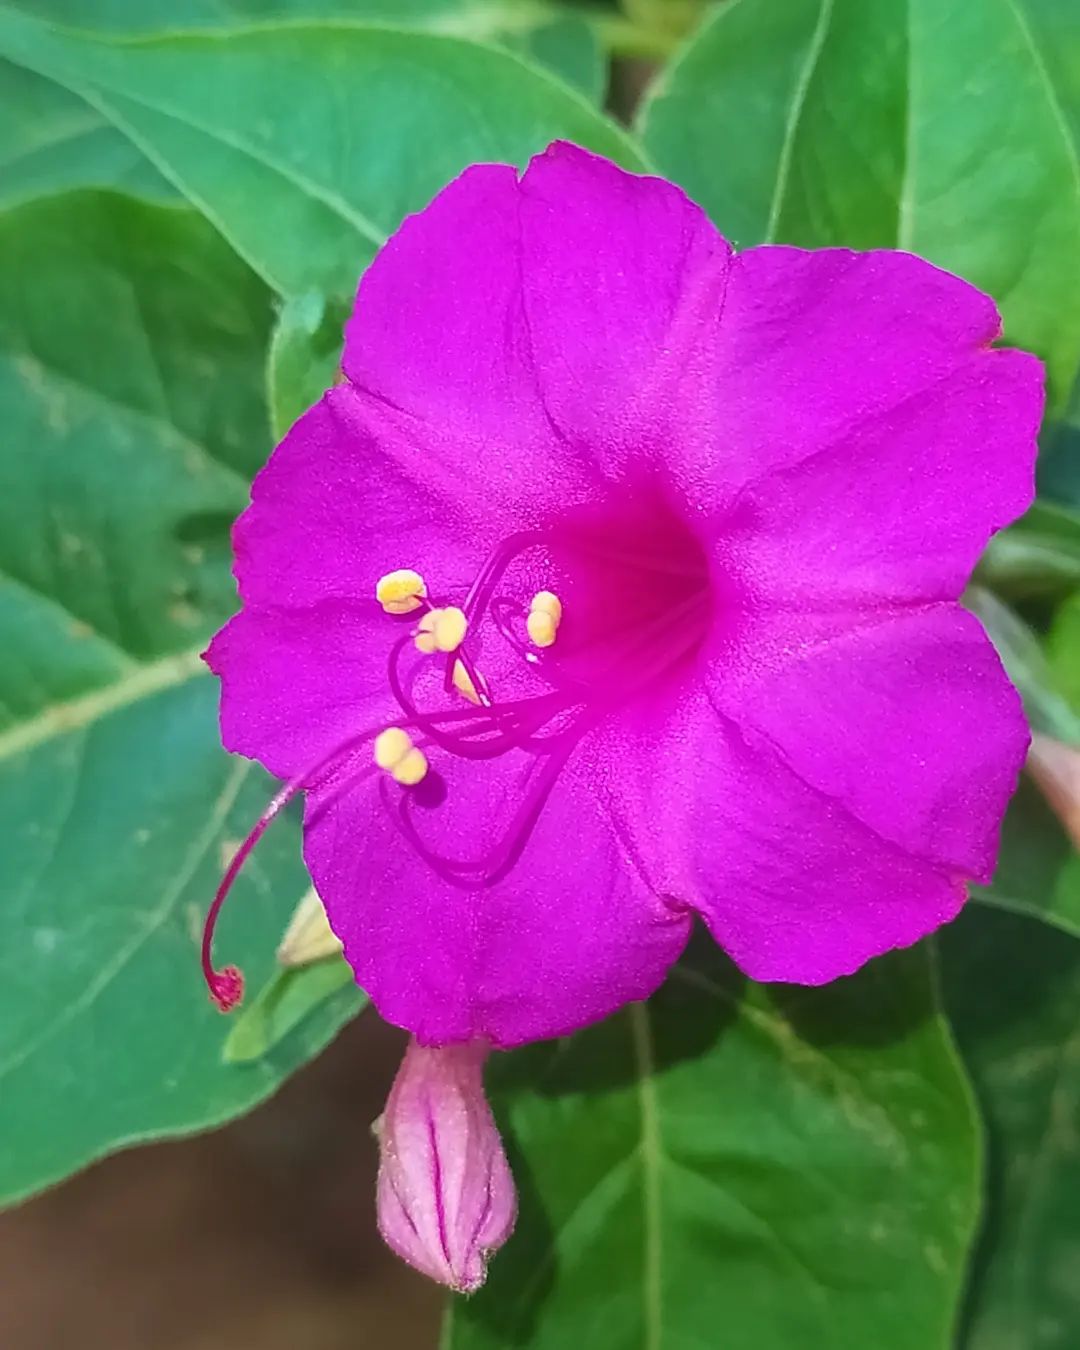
[[391, 746], [545, 614], [412, 769], [400, 592], [403, 761], [442, 630], [464, 685], [541, 628], [547, 603]]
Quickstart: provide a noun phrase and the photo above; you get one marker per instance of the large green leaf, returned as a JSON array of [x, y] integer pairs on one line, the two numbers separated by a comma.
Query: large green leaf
[[307, 143], [738, 1165], [51, 141], [131, 382], [951, 130], [1012, 987]]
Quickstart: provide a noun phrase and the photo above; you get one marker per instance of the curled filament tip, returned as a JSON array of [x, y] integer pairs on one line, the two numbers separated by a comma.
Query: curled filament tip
[[226, 986]]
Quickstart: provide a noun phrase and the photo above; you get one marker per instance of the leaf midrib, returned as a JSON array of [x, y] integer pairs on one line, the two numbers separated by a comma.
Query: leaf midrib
[[144, 681], [798, 103]]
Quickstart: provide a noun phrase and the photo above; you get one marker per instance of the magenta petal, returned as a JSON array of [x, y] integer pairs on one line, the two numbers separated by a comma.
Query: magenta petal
[[791, 884], [297, 682], [518, 322], [439, 335], [621, 276], [811, 348], [336, 507], [908, 722], [900, 507], [446, 1199], [572, 933]]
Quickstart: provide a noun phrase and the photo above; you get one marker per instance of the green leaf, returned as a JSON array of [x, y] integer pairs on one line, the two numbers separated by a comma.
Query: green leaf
[[157, 16], [1038, 871], [285, 1001], [51, 141], [304, 356], [568, 46], [131, 380], [1059, 462], [1048, 709], [307, 144], [772, 1166], [1063, 649], [1012, 988], [1036, 558], [950, 130]]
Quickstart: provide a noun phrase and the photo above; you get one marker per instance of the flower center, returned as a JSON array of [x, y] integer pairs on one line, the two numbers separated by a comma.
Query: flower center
[[561, 627]]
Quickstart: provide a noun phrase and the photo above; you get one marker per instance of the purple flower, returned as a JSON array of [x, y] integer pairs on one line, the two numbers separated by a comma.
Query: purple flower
[[683, 534], [446, 1198]]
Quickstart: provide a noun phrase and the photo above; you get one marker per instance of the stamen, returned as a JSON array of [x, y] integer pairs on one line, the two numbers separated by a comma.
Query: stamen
[[487, 733], [475, 690], [395, 753], [547, 724], [482, 589], [442, 630], [545, 615], [401, 592]]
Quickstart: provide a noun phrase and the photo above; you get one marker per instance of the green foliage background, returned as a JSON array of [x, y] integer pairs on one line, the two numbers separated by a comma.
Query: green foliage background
[[187, 196]]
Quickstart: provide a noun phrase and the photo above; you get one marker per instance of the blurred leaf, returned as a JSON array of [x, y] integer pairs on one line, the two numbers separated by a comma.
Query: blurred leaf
[[304, 356], [131, 381], [1038, 871], [285, 1001], [307, 144], [560, 40], [1063, 649], [569, 47], [51, 141], [950, 130], [676, 18], [472, 17], [1012, 988], [1037, 557], [746, 1166], [1021, 652], [1059, 463]]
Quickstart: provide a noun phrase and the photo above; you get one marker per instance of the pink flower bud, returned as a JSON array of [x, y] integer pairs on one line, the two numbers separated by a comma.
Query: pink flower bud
[[446, 1198]]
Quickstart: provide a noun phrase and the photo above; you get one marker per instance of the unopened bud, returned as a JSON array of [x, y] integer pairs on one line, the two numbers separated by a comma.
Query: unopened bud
[[446, 1198], [309, 936]]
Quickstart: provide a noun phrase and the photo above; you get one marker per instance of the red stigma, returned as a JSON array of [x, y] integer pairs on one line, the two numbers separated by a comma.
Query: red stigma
[[226, 988]]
